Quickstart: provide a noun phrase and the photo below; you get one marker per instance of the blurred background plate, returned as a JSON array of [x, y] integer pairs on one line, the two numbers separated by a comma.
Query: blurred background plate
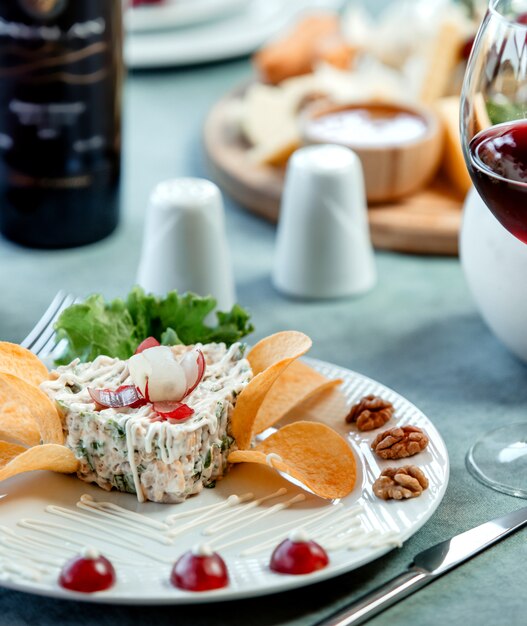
[[180, 13], [236, 35]]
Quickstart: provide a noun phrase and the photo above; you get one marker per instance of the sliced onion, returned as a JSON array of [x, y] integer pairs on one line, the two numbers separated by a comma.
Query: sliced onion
[[193, 364], [173, 410], [124, 396], [149, 342]]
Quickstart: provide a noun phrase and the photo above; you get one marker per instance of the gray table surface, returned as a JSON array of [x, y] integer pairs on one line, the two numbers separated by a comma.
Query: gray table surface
[[418, 331]]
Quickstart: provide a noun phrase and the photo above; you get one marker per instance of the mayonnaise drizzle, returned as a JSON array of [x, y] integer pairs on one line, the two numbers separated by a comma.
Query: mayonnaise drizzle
[[131, 442], [272, 456], [97, 523]]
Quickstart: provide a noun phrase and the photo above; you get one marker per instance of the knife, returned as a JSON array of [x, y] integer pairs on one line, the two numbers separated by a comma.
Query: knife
[[426, 567]]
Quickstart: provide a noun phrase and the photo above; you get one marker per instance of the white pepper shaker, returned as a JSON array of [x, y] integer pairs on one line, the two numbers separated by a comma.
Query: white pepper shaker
[[323, 247], [185, 244]]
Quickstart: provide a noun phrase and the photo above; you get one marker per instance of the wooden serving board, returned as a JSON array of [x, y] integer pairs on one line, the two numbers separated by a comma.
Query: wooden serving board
[[425, 223]]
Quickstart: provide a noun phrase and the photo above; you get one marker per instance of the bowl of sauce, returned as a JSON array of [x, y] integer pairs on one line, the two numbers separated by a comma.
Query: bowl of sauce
[[399, 146]]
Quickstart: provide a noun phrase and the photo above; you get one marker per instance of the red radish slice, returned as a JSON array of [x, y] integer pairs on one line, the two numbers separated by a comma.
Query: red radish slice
[[149, 342], [126, 395], [140, 402], [193, 364], [147, 395], [173, 410]]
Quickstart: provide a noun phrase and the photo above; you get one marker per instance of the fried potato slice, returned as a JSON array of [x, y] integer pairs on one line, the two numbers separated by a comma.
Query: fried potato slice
[[17, 423], [22, 363], [268, 359], [49, 456], [312, 453], [8, 451], [41, 408], [296, 384], [277, 347]]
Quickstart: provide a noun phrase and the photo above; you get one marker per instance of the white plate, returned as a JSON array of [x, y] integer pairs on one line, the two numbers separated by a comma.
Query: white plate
[[146, 582], [179, 13], [236, 35]]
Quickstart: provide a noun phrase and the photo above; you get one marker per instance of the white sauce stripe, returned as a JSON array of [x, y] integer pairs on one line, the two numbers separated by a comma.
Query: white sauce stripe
[[31, 557], [86, 520], [307, 522], [334, 526], [234, 515], [44, 527], [257, 516], [232, 500], [119, 511], [25, 571], [130, 526]]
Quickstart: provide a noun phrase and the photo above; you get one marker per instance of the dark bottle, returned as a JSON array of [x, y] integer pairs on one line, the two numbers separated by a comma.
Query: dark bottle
[[61, 73]]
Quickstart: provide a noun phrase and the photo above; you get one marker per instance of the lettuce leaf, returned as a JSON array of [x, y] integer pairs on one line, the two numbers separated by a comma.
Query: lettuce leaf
[[117, 327]]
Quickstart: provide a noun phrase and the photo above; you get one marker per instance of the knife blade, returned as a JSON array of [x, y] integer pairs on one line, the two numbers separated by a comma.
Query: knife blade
[[426, 567]]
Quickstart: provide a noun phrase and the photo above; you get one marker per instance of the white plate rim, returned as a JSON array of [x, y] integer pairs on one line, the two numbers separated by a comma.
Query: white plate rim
[[284, 584], [149, 18], [149, 50]]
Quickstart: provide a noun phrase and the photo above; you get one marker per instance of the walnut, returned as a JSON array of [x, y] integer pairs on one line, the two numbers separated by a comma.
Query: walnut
[[400, 483], [370, 412], [399, 442]]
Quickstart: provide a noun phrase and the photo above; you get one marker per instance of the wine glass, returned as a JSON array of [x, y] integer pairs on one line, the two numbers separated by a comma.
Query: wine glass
[[494, 137]]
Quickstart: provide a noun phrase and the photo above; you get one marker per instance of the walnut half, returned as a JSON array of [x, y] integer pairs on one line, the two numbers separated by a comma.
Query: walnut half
[[399, 483], [370, 412], [400, 442]]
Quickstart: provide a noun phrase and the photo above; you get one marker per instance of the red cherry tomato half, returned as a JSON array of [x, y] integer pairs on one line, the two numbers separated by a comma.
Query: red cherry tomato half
[[87, 575], [193, 572], [149, 342], [302, 557]]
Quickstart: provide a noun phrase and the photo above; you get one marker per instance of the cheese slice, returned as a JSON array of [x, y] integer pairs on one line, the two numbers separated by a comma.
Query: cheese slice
[[453, 162], [267, 114], [270, 124]]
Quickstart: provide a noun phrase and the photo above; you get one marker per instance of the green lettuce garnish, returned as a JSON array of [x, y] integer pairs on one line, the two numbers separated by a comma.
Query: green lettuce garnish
[[116, 328]]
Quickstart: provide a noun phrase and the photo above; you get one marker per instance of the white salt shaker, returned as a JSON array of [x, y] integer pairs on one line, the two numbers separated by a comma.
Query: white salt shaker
[[185, 244], [323, 247]]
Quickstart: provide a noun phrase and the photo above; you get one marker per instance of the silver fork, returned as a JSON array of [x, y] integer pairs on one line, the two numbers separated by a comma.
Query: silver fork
[[42, 340]]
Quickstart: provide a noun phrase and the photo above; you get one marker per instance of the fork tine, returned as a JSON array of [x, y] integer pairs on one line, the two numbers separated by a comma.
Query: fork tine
[[47, 334], [44, 321]]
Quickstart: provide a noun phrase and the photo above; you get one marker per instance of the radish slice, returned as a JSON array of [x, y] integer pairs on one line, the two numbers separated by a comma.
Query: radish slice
[[193, 364], [126, 395], [160, 377], [173, 410], [149, 342], [165, 377]]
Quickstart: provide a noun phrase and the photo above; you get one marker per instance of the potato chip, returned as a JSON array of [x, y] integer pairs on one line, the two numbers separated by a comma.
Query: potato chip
[[22, 363], [17, 423], [49, 456], [296, 384], [8, 451], [312, 453], [270, 357], [277, 347], [42, 409]]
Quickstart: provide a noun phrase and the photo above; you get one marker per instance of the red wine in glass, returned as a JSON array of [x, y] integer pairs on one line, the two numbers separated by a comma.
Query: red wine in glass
[[498, 167]]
